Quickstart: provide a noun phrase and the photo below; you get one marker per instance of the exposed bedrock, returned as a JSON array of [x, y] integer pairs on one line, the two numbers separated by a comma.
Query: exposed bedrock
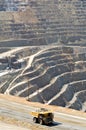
[[43, 22], [43, 51]]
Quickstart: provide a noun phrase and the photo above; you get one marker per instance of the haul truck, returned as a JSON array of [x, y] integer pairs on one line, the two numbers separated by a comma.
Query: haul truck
[[42, 116]]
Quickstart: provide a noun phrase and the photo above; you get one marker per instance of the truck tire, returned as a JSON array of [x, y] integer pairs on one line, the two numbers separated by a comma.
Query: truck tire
[[34, 119], [41, 122]]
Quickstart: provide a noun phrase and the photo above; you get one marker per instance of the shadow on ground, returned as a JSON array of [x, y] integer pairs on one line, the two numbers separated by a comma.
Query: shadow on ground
[[54, 124]]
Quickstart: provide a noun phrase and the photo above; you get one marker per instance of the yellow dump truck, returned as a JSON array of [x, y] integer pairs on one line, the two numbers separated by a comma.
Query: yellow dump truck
[[42, 116]]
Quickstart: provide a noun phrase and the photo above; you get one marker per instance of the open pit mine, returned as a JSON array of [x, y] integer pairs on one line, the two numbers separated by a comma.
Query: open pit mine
[[43, 51]]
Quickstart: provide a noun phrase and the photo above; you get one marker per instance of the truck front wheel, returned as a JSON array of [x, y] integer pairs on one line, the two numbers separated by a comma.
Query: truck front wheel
[[35, 120], [41, 122]]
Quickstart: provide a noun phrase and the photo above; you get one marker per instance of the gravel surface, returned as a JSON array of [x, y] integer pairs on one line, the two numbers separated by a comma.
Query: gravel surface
[[4, 126], [21, 117]]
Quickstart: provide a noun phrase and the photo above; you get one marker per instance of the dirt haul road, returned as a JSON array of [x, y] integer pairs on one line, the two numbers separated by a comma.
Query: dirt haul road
[[21, 112], [5, 126]]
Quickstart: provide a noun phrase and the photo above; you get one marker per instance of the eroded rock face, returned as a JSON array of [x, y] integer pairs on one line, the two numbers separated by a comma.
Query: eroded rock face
[[43, 53], [50, 75], [44, 22]]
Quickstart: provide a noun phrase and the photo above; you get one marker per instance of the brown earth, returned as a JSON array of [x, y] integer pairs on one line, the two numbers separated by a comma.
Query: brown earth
[[27, 16], [54, 108]]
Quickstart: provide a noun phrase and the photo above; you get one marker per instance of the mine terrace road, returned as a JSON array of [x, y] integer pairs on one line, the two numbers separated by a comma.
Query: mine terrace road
[[21, 112], [4, 126]]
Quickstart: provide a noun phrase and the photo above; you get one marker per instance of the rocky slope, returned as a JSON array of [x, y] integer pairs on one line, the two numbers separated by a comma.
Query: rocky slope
[[44, 21], [53, 75], [43, 53]]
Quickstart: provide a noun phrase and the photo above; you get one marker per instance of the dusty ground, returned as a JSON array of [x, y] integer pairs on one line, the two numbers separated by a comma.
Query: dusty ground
[[54, 108], [25, 17], [20, 124], [31, 125], [20, 16], [5, 126]]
